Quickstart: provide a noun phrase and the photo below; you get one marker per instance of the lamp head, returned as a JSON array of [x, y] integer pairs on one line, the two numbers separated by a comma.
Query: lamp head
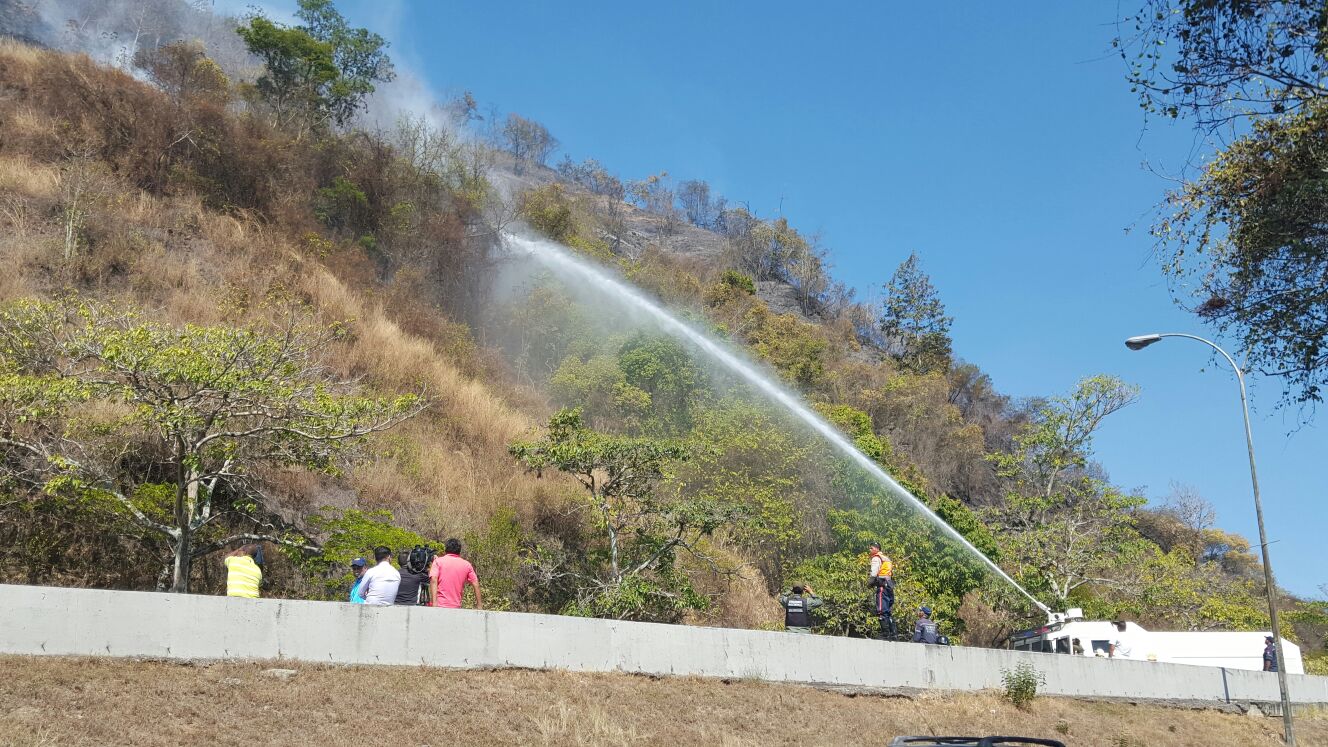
[[1140, 342]]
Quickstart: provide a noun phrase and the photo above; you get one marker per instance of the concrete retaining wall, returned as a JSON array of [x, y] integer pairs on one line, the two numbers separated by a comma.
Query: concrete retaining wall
[[52, 621]]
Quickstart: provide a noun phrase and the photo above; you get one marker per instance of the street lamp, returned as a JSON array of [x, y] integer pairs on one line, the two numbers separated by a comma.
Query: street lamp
[[1139, 343]]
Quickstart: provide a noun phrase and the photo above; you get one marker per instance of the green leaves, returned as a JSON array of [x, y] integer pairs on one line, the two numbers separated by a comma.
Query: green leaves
[[630, 571], [349, 535], [914, 321], [1060, 527], [106, 405], [321, 70]]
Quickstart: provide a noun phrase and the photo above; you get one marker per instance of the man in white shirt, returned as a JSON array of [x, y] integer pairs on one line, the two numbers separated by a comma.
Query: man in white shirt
[[379, 584], [1122, 647]]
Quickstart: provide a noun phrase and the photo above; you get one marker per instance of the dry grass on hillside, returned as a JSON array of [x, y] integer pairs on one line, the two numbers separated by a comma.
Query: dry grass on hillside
[[108, 702], [182, 262]]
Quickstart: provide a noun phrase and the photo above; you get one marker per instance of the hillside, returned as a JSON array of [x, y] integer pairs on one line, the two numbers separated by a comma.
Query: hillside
[[228, 704], [194, 205]]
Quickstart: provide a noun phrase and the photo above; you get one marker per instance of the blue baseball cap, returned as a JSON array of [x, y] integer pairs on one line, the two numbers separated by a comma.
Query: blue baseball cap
[[357, 563], [926, 611]]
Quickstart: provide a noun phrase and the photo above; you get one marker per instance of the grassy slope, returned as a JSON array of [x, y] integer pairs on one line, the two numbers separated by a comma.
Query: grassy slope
[[103, 702]]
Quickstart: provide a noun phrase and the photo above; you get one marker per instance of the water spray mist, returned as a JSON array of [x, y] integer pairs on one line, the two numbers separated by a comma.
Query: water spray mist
[[562, 260]]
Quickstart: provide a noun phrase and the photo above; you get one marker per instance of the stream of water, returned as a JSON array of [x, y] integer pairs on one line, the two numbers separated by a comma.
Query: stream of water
[[564, 263]]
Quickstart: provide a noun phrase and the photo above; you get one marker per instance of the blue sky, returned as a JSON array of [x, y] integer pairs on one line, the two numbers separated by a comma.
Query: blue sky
[[999, 142]]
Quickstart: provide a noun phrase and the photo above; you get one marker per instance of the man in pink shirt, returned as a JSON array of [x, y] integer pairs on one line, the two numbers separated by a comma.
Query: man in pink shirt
[[449, 575]]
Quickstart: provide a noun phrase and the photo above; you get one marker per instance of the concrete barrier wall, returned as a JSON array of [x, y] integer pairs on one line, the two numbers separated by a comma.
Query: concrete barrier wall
[[85, 622]]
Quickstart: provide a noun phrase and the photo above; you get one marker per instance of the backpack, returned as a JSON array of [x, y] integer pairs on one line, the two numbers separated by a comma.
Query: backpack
[[419, 559]]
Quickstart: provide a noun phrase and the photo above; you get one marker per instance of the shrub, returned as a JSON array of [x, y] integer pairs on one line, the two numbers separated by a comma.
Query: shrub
[[738, 281], [1021, 683], [342, 205], [546, 210]]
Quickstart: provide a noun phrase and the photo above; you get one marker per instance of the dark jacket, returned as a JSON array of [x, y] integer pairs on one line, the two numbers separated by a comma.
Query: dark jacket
[[409, 590], [926, 631]]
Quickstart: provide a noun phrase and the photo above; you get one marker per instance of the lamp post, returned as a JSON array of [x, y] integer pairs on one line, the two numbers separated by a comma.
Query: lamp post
[[1139, 343]]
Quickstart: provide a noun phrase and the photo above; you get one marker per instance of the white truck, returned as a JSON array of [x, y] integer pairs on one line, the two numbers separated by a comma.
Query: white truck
[[1068, 633]]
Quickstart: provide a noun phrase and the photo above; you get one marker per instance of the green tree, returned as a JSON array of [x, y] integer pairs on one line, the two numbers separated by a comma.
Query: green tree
[[317, 72], [662, 367], [914, 321], [741, 454], [104, 405], [599, 387], [642, 528], [359, 56], [1060, 526], [1181, 593], [1245, 238]]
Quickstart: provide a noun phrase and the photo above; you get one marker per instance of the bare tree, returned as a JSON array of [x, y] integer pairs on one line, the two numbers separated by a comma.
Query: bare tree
[[81, 186], [527, 140], [698, 205], [653, 194]]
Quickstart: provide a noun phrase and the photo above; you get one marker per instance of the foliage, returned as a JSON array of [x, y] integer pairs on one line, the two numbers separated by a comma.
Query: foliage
[[1230, 59], [342, 205], [738, 281], [1022, 683], [1249, 235], [1316, 662], [350, 534], [1062, 527], [317, 72], [497, 553], [1192, 595], [632, 574], [99, 404], [297, 71], [857, 425], [742, 455], [357, 53], [774, 250], [792, 346], [599, 386], [914, 321], [546, 209], [663, 369]]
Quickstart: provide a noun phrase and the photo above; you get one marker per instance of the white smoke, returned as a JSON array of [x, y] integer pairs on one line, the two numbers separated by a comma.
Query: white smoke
[[113, 31]]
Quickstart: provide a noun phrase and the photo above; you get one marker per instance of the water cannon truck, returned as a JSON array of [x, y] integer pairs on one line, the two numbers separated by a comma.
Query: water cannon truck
[[1230, 649]]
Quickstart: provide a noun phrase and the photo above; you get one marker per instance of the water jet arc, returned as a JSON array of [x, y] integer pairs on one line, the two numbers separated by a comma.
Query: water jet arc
[[563, 261]]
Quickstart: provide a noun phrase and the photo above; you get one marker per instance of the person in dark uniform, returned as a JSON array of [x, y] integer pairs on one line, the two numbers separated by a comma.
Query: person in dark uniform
[[1269, 654], [798, 608]]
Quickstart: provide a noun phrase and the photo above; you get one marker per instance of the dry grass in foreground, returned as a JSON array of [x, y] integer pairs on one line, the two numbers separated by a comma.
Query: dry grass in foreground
[[56, 701]]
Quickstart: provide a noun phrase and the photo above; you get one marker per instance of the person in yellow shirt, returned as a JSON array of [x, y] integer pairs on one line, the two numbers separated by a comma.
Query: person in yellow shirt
[[243, 576]]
